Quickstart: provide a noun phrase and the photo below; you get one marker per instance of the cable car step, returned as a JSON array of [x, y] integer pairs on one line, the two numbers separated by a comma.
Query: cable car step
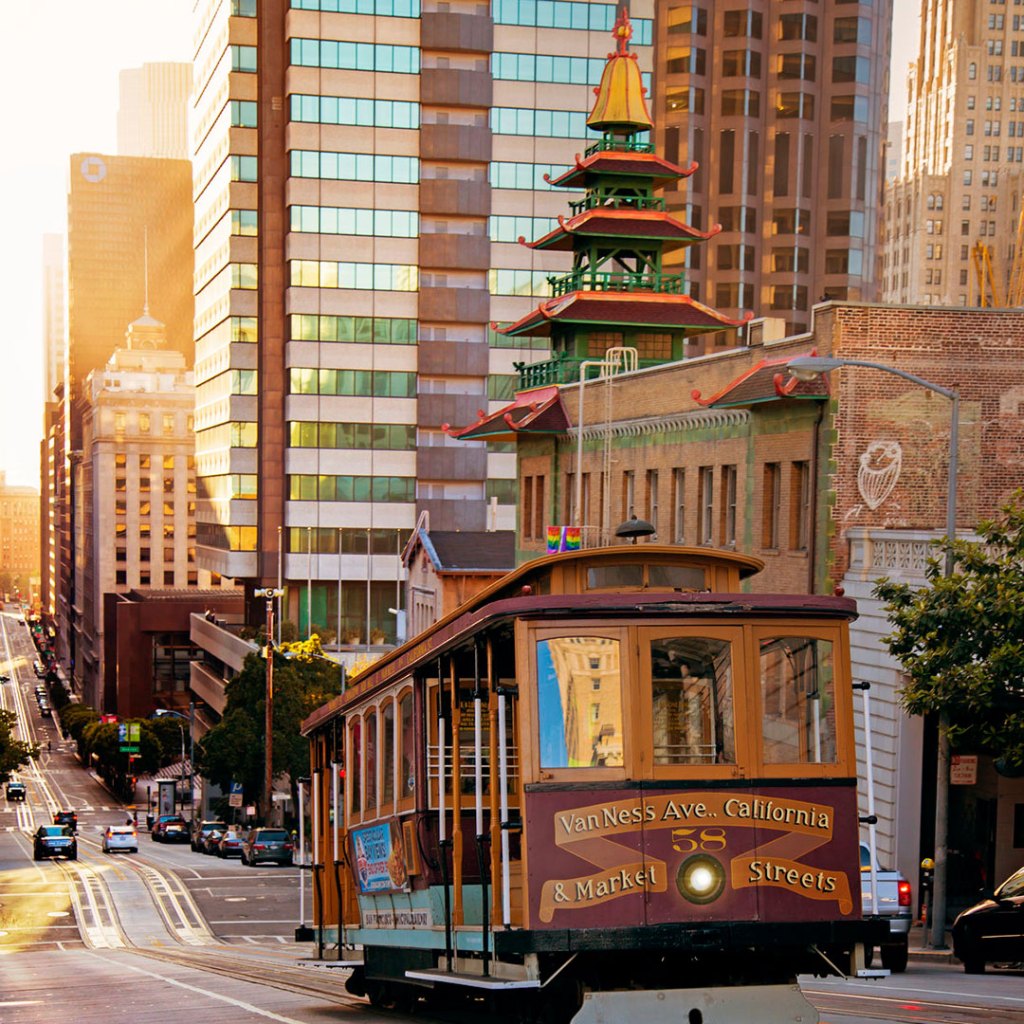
[[471, 980]]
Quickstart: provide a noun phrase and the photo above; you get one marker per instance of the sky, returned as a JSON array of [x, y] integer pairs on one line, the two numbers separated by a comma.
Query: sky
[[59, 72]]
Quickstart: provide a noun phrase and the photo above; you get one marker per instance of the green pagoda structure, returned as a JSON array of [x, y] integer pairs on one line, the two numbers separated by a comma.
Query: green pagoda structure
[[618, 293]]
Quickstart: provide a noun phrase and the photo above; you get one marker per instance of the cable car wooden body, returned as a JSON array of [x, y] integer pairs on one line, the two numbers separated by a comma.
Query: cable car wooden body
[[611, 779]]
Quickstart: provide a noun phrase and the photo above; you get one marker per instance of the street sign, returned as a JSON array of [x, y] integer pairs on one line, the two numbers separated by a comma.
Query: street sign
[[129, 748], [235, 796], [963, 771]]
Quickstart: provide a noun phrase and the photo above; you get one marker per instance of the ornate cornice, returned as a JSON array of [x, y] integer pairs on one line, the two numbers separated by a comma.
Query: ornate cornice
[[699, 419]]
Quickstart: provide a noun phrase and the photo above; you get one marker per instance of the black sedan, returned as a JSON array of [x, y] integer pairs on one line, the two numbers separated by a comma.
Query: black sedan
[[54, 841], [992, 930]]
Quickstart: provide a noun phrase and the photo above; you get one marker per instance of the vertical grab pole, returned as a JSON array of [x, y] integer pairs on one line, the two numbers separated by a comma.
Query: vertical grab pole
[[302, 854], [869, 768], [335, 804], [506, 882], [442, 841], [478, 771], [317, 866]]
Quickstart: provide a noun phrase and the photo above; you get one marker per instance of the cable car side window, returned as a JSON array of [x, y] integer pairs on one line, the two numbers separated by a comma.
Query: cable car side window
[[370, 803], [692, 701], [579, 702], [387, 736], [406, 751], [354, 776], [798, 701]]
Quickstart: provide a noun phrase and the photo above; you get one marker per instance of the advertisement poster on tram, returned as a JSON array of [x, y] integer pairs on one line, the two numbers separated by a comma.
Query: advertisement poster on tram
[[378, 858]]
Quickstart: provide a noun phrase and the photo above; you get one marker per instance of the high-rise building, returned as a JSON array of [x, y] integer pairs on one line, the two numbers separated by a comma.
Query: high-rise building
[[54, 354], [152, 119], [134, 487], [952, 218], [129, 244], [784, 110], [19, 539], [364, 172]]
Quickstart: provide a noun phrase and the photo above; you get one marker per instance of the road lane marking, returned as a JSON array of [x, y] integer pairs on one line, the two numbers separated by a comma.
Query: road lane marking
[[240, 1003]]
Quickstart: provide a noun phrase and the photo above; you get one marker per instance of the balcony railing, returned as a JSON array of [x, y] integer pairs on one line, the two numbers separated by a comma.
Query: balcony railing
[[562, 369], [596, 202], [609, 142], [603, 281]]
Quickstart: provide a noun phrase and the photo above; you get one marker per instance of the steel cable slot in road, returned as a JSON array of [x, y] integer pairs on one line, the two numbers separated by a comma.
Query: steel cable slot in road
[[905, 1006]]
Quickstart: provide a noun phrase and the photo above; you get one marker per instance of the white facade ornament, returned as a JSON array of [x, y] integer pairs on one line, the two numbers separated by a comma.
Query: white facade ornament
[[879, 470]]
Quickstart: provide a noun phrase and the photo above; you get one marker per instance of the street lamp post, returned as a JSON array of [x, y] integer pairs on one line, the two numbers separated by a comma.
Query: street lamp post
[[190, 718], [807, 368], [270, 594]]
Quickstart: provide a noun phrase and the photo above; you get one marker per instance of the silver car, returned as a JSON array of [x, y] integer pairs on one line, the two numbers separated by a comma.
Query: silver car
[[120, 837]]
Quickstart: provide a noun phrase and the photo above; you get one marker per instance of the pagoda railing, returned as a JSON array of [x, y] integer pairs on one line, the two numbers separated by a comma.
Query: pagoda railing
[[605, 281], [560, 369], [619, 145], [596, 202]]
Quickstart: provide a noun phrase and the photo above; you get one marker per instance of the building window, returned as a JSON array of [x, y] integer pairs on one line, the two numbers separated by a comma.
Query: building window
[[168, 577], [679, 506], [705, 504], [121, 577], [628, 494], [651, 502], [143, 422], [728, 506], [527, 508], [799, 505], [538, 508], [771, 497]]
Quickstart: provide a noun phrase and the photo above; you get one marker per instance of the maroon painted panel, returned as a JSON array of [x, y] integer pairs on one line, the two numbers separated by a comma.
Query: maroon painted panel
[[622, 858]]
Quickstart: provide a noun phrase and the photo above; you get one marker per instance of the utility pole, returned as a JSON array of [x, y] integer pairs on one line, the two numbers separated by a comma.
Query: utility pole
[[270, 594]]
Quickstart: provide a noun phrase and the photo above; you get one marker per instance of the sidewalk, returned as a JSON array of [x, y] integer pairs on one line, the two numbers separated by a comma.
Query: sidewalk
[[922, 951]]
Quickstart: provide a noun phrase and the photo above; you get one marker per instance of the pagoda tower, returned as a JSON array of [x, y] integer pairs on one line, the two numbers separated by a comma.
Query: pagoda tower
[[617, 295]]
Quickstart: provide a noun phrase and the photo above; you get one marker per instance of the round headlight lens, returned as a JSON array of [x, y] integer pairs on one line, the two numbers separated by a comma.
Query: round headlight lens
[[700, 878]]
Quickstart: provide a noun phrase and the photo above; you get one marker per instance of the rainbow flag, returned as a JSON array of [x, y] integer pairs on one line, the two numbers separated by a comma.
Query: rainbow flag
[[563, 538]]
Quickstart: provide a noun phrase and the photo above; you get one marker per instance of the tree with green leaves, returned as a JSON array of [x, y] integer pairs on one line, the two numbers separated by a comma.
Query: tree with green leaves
[[233, 750], [960, 638], [14, 753]]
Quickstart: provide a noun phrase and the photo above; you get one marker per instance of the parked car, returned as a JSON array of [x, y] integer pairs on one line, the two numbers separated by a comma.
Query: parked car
[[4, 678], [68, 818], [993, 929], [54, 841], [230, 843], [268, 844], [120, 837], [212, 840], [159, 826], [201, 829], [16, 790], [894, 907], [37, 666]]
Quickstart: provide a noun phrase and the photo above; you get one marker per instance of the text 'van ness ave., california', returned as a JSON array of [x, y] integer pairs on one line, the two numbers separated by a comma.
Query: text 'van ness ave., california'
[[605, 819]]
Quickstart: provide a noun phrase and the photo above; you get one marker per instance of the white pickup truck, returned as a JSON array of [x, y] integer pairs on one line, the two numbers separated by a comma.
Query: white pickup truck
[[886, 896]]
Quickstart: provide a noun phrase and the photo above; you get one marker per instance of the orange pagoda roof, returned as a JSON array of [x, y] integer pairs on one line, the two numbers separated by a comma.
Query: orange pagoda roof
[[622, 308], [609, 221], [629, 163], [537, 411]]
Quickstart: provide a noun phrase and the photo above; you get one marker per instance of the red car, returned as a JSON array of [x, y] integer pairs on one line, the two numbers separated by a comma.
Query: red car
[[169, 828]]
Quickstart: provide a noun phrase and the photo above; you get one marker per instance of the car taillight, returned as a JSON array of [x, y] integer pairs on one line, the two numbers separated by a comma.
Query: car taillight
[[257, 846], [904, 891], [288, 846]]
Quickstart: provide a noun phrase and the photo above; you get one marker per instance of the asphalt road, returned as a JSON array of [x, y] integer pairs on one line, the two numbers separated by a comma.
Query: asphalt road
[[167, 933]]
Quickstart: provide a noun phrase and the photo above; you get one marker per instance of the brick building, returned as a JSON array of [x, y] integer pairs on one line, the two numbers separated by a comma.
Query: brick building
[[832, 483]]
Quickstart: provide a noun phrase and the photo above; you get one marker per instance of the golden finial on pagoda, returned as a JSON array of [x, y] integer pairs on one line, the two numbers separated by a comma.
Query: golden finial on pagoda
[[620, 108]]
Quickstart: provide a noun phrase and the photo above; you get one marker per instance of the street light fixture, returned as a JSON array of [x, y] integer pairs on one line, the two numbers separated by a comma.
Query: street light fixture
[[807, 368], [190, 718], [270, 594]]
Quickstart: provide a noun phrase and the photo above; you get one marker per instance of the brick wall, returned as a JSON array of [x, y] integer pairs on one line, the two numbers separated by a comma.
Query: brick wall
[[659, 426]]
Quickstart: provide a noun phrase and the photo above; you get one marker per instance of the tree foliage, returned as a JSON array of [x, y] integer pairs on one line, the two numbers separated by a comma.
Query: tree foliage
[[960, 638], [14, 753], [233, 750]]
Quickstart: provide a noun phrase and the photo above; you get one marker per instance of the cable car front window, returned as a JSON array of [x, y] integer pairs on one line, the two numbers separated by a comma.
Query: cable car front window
[[797, 690], [579, 698], [692, 701]]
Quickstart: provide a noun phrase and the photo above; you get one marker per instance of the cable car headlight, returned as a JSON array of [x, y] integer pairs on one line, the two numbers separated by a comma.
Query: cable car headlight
[[700, 878]]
